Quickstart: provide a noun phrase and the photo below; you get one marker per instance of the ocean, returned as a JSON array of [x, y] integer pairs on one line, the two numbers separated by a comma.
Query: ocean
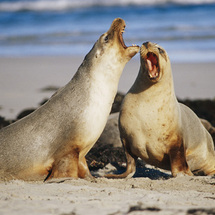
[[185, 28]]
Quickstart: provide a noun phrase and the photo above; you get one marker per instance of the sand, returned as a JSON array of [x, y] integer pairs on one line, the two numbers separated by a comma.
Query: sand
[[21, 81], [178, 196]]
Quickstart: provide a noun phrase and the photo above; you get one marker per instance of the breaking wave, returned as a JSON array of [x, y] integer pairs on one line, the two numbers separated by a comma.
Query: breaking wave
[[58, 5]]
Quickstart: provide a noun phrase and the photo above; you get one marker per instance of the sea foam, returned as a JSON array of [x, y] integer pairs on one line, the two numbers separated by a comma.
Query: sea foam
[[58, 5]]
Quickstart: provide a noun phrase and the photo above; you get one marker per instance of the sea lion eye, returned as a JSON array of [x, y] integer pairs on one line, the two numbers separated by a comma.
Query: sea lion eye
[[106, 39], [162, 53], [160, 50]]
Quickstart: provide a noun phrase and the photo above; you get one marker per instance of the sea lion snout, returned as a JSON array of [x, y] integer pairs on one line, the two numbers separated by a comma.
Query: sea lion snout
[[149, 47], [146, 44], [114, 36], [149, 54], [116, 30], [118, 24]]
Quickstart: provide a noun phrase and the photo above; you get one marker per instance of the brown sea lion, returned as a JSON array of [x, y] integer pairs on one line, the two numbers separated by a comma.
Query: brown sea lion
[[155, 127], [52, 142]]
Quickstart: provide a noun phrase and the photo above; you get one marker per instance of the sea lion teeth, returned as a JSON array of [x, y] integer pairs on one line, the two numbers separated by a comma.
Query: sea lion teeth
[[52, 142], [155, 127], [149, 65]]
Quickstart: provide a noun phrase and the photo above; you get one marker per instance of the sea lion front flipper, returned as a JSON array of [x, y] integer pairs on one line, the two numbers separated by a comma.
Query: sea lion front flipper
[[65, 165], [83, 170], [69, 166], [178, 161]]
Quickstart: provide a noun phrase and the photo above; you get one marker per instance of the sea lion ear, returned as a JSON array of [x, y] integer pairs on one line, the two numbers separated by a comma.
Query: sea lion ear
[[161, 51]]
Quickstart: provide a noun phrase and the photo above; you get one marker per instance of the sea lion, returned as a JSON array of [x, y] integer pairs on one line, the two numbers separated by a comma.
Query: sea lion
[[52, 141], [208, 126], [155, 127]]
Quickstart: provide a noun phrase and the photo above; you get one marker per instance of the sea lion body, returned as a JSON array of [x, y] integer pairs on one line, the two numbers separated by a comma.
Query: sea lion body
[[156, 128], [52, 141]]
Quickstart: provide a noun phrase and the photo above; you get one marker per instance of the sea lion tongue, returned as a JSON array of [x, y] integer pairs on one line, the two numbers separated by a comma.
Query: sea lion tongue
[[152, 64]]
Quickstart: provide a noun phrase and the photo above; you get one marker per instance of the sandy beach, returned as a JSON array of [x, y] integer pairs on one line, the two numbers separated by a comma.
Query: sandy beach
[[23, 84], [181, 196], [23, 80]]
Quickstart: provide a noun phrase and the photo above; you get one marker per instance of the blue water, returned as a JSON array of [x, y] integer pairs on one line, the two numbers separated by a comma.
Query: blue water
[[186, 29]]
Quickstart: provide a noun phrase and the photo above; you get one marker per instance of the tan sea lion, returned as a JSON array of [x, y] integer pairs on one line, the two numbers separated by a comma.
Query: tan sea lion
[[156, 128], [52, 141]]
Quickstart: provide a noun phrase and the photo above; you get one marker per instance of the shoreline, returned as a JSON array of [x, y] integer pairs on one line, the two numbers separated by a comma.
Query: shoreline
[[22, 80]]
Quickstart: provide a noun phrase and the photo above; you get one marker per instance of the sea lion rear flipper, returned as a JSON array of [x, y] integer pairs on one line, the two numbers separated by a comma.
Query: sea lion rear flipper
[[131, 165]]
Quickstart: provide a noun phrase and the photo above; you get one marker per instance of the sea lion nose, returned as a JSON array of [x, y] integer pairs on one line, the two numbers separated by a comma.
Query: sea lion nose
[[146, 44]]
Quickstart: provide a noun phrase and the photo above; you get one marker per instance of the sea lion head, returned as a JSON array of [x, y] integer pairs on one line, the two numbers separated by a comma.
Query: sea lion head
[[154, 61], [112, 44]]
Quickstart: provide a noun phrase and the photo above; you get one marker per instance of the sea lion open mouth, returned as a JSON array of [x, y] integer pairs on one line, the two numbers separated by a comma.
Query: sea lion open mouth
[[153, 65], [150, 57], [114, 37], [118, 28], [121, 37], [122, 40]]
